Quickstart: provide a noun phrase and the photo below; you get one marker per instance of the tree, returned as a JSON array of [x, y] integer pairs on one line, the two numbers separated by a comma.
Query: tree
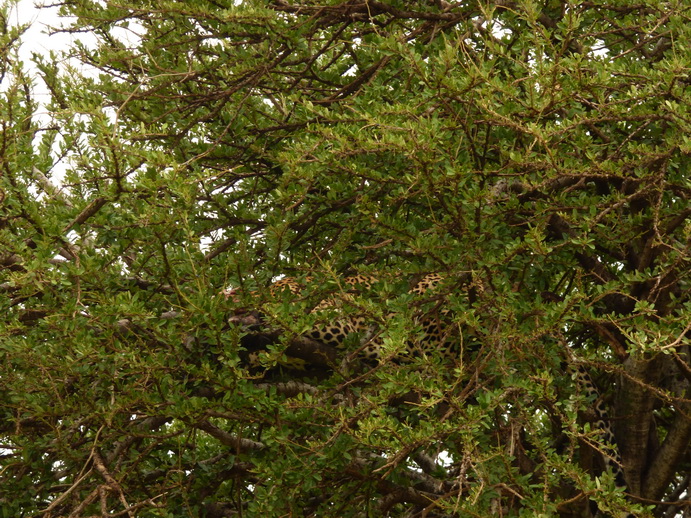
[[536, 155]]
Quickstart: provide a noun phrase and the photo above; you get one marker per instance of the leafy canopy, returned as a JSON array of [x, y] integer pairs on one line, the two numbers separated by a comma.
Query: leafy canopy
[[535, 154]]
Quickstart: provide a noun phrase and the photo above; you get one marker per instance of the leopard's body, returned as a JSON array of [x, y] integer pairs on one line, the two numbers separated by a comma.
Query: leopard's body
[[434, 333]]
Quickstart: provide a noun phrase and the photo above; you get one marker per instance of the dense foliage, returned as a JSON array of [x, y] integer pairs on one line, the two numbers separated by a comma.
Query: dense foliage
[[534, 153]]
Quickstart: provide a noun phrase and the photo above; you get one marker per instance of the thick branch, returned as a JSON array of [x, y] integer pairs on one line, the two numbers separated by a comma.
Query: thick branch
[[635, 405], [674, 448], [238, 444]]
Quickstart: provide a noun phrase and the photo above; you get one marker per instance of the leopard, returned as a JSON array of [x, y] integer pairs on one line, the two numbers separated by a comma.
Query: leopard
[[434, 325]]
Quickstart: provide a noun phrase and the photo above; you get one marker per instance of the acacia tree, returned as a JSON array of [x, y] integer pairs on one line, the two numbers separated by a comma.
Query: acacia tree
[[534, 154]]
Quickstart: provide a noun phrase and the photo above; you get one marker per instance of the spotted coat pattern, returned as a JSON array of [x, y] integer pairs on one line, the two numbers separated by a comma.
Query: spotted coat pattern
[[434, 326]]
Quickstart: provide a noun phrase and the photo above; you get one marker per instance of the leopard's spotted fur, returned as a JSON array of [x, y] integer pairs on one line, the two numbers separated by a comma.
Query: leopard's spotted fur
[[434, 335]]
